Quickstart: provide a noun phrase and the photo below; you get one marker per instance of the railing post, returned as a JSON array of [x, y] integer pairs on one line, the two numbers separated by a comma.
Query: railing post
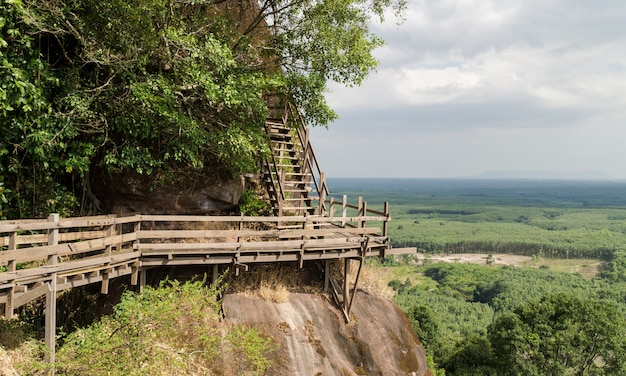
[[386, 220], [138, 276], [344, 210], [360, 212], [322, 194], [110, 232], [386, 229], [11, 267], [51, 295]]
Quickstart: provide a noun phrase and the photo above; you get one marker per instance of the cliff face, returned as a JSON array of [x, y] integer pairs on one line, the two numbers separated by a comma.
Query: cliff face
[[315, 340], [133, 193]]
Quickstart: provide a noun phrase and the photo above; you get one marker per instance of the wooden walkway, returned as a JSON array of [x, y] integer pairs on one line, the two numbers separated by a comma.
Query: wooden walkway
[[44, 257]]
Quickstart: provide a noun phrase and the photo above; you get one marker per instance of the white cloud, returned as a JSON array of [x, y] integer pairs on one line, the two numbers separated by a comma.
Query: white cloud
[[479, 83]]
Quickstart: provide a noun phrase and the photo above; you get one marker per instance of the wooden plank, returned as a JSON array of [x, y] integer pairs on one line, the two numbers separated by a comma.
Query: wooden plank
[[91, 279], [188, 246], [39, 253], [181, 234], [255, 258], [30, 295], [63, 237], [68, 268], [236, 219]]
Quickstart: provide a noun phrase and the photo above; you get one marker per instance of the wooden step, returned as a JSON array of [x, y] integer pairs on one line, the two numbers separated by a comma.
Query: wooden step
[[294, 208], [293, 190], [280, 137]]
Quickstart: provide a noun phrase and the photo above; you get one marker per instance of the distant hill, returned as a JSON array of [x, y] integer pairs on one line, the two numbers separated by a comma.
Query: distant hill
[[543, 174]]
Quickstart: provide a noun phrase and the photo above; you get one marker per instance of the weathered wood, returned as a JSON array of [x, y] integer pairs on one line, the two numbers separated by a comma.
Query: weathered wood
[[31, 295], [303, 238], [346, 286], [67, 268], [66, 249], [281, 234], [51, 296]]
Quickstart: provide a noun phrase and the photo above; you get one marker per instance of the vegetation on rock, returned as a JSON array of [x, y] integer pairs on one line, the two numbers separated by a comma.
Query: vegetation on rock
[[160, 88], [174, 329]]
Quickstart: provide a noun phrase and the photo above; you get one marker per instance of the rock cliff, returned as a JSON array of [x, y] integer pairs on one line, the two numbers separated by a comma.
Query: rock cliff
[[315, 340]]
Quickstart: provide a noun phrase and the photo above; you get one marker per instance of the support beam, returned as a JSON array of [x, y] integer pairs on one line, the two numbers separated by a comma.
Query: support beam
[[358, 274], [142, 279], [50, 324], [9, 306], [214, 274], [326, 274], [51, 298], [346, 286]]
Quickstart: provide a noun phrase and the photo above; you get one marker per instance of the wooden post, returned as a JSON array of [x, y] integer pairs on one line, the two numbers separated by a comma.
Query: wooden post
[[51, 296], [386, 228], [344, 210], [322, 194], [110, 231], [331, 207], [215, 274], [11, 266], [326, 274], [134, 275], [386, 221], [142, 279], [364, 247], [346, 285], [360, 211]]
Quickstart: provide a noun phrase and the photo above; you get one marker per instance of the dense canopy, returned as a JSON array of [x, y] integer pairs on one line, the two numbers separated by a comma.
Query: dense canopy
[[161, 88]]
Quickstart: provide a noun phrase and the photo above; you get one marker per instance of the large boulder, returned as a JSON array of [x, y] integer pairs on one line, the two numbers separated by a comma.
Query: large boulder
[[315, 340]]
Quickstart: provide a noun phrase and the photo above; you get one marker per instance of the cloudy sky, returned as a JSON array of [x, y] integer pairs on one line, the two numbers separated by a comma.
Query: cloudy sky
[[470, 86]]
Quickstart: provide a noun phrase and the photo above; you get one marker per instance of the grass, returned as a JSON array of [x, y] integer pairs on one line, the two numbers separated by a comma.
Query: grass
[[547, 219]]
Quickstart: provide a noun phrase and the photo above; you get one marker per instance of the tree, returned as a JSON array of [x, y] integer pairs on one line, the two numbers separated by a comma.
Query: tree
[[560, 334], [161, 88]]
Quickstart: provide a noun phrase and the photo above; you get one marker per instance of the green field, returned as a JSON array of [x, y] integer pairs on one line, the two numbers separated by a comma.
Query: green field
[[559, 312], [554, 219]]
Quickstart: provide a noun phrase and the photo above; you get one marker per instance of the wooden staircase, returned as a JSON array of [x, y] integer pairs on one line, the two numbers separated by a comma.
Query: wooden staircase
[[294, 181]]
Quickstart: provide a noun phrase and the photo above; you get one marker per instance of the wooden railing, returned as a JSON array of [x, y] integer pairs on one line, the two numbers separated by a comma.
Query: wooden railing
[[311, 173], [317, 177], [43, 257], [78, 251]]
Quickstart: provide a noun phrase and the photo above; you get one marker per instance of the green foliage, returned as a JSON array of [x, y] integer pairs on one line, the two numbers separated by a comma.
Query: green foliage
[[253, 205], [37, 150], [615, 269], [561, 335], [160, 88], [549, 219], [170, 330], [456, 317], [13, 333]]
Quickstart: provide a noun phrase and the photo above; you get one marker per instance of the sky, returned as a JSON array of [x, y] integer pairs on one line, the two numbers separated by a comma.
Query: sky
[[468, 87]]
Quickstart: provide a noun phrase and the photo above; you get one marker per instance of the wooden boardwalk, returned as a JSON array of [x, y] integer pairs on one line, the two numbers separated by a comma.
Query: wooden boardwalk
[[44, 257], [47, 256]]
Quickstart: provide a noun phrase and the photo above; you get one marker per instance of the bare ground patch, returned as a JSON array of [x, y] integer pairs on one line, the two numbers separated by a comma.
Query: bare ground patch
[[587, 267]]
